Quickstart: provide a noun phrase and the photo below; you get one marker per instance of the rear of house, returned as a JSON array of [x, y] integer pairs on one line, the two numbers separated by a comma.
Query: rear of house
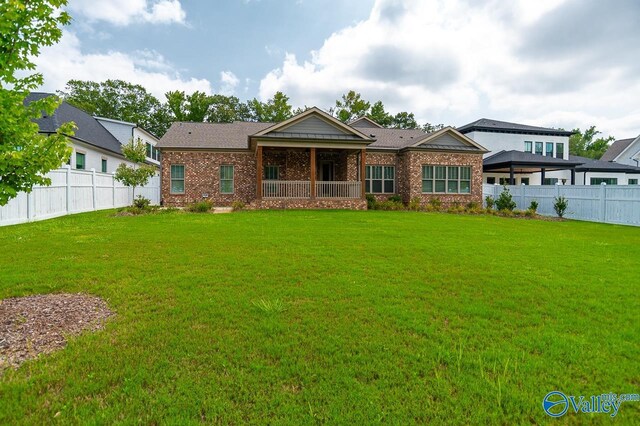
[[315, 161]]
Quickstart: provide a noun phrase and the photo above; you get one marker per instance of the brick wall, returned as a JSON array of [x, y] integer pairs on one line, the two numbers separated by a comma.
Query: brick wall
[[386, 159]]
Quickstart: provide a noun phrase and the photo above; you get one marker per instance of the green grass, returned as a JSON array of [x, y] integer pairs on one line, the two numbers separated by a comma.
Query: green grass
[[341, 317]]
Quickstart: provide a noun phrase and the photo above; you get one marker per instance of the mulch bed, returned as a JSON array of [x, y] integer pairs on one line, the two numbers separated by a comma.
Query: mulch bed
[[32, 325]]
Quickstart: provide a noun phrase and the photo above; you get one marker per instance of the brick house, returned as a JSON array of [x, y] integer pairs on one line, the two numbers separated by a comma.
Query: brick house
[[313, 160]]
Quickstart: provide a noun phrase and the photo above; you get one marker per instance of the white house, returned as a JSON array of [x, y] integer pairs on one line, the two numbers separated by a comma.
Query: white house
[[124, 132]]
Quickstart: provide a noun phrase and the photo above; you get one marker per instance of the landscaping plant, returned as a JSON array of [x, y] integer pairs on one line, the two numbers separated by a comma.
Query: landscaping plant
[[505, 200], [560, 205]]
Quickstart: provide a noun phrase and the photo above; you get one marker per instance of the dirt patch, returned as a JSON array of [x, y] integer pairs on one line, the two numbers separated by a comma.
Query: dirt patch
[[30, 326]]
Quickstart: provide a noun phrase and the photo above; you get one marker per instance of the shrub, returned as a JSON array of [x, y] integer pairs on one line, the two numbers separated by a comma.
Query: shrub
[[414, 204], [505, 200], [371, 202], [141, 203], [395, 198], [533, 206], [237, 205], [389, 205], [435, 204], [203, 206], [490, 202], [472, 205], [560, 205]]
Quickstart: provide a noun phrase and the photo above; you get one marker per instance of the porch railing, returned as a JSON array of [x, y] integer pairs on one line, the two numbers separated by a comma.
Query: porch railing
[[286, 189], [332, 189], [302, 189]]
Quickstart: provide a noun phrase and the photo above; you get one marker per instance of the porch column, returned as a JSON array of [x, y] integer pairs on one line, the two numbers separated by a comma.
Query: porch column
[[542, 176], [259, 171], [512, 179], [312, 158], [573, 176], [363, 162]]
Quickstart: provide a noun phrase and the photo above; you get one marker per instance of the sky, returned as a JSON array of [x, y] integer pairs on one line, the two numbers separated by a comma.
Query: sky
[[552, 63]]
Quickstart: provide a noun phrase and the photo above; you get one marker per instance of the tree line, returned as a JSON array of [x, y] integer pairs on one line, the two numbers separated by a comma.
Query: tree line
[[121, 100]]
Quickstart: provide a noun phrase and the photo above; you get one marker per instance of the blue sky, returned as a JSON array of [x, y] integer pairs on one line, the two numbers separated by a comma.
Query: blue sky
[[561, 63]]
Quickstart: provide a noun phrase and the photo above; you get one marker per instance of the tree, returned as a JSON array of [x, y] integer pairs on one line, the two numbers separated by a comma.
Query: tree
[[25, 155], [119, 100], [404, 120], [227, 109], [378, 114], [275, 110], [139, 173], [351, 106], [194, 107], [583, 143], [430, 128]]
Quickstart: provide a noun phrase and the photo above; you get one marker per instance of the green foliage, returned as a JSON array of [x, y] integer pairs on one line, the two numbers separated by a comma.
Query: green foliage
[[25, 155], [371, 201], [378, 114], [141, 202], [270, 306], [351, 106], [138, 174], [203, 206], [275, 110], [505, 201], [430, 128], [414, 204], [585, 144], [389, 205], [560, 205], [237, 205], [490, 202], [435, 203], [395, 198], [227, 109], [533, 206], [404, 120], [119, 100], [194, 107]]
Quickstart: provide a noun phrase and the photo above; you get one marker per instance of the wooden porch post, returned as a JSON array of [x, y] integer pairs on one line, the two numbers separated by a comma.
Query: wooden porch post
[[259, 171], [363, 162], [312, 157]]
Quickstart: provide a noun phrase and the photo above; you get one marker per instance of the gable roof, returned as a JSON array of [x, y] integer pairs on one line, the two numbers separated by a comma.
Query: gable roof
[[591, 165], [488, 125], [89, 130], [456, 141], [211, 135], [616, 148], [394, 138], [364, 122]]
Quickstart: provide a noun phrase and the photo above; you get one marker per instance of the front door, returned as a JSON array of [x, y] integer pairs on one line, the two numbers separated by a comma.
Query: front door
[[325, 171]]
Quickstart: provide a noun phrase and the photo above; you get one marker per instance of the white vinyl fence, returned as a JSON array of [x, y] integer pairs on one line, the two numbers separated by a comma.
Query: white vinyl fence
[[618, 204], [74, 191]]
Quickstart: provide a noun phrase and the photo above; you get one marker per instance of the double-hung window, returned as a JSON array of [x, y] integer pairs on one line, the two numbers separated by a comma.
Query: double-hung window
[[104, 165], [177, 179], [271, 173], [380, 179], [528, 147], [226, 179], [538, 148], [549, 149], [559, 150], [446, 179], [80, 161]]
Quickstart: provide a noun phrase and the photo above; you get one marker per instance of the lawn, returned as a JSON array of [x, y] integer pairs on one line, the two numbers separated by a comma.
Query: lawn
[[302, 317]]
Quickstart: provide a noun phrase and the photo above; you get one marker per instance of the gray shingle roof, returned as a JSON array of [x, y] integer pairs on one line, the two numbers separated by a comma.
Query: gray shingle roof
[[211, 135], [591, 165], [89, 129], [616, 148], [488, 125], [505, 158], [394, 138]]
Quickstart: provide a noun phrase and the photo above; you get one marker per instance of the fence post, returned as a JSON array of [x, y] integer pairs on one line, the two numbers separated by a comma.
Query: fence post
[[113, 195], [523, 199], [31, 211], [603, 202], [93, 184], [68, 167]]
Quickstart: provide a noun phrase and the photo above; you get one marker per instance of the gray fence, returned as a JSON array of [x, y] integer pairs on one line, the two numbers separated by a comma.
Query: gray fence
[[74, 191], [618, 204]]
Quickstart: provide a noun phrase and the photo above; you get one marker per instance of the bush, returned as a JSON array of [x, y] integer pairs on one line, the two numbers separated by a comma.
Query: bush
[[533, 206], [141, 203], [237, 205], [204, 206], [435, 204], [490, 202], [414, 204], [371, 202], [505, 200], [560, 205], [395, 198], [389, 205]]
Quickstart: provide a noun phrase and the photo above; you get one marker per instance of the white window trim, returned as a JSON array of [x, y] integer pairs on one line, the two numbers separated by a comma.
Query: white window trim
[[446, 179], [233, 179], [370, 179], [183, 179]]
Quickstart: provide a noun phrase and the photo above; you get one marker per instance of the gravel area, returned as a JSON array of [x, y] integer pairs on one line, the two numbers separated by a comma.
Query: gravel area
[[39, 324]]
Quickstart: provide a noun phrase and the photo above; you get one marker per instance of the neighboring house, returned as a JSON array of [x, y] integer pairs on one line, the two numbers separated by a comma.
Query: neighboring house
[[125, 132], [597, 172], [93, 146], [624, 151], [522, 154], [315, 161]]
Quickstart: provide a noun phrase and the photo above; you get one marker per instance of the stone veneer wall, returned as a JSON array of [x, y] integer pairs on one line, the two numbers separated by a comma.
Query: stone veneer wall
[[318, 203], [202, 176], [413, 161]]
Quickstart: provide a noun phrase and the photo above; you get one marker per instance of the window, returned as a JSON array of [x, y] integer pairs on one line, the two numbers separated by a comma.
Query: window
[[550, 181], [600, 181], [226, 179], [549, 150], [538, 148], [447, 179], [491, 180], [559, 150], [177, 179], [528, 146], [149, 150], [155, 153], [271, 173], [524, 181], [633, 181], [505, 181], [104, 165], [380, 179], [80, 161]]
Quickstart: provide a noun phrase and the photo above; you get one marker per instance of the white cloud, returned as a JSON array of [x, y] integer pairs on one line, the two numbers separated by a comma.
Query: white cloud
[[126, 12], [454, 61], [228, 83], [66, 60]]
